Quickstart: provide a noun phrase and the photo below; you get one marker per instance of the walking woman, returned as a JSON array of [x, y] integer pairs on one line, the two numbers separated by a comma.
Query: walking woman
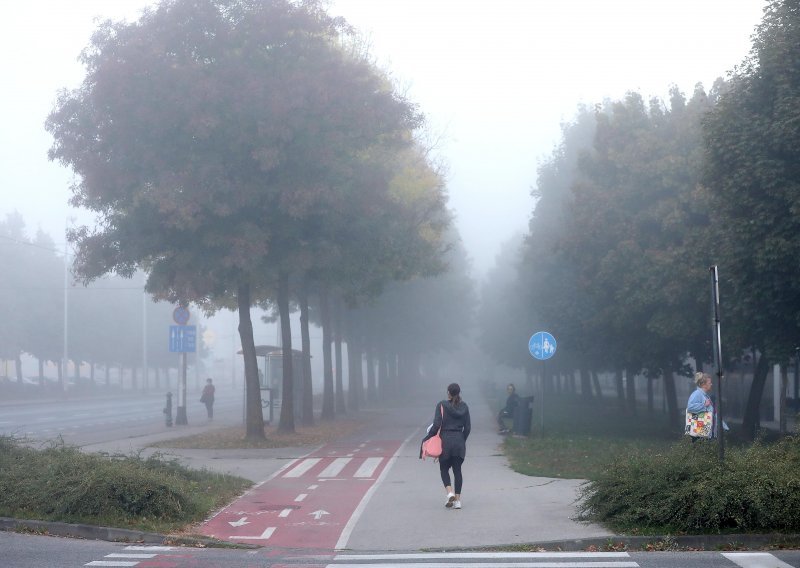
[[699, 406], [455, 427]]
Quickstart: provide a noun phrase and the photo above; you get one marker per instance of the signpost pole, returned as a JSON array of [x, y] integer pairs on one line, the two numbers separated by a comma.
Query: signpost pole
[[544, 374], [180, 416], [182, 340], [542, 346], [718, 359]]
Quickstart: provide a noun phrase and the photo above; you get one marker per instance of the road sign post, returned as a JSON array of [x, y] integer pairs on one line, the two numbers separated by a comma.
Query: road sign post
[[183, 340], [542, 346]]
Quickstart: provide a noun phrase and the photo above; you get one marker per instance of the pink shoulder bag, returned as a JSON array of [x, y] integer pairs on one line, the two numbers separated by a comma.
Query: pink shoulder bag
[[433, 446]]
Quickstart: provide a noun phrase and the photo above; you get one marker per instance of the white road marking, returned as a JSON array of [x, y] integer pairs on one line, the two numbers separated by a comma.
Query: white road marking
[[157, 548], [302, 467], [495, 565], [312, 487], [111, 563], [264, 536], [480, 555], [285, 513], [123, 555], [368, 467], [301, 497], [335, 467], [755, 560]]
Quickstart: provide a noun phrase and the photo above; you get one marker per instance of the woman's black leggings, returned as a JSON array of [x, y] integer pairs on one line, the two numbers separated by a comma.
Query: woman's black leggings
[[444, 469]]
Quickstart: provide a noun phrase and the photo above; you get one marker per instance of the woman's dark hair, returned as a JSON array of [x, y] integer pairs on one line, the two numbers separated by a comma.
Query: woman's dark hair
[[455, 393]]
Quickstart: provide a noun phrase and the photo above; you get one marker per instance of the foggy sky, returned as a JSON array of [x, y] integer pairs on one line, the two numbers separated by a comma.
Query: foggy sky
[[495, 78]]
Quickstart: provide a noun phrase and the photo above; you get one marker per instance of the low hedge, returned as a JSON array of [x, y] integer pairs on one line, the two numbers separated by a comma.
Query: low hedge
[[686, 489]]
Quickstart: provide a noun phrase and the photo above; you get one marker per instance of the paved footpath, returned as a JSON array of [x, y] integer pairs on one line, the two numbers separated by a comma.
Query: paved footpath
[[371, 492]]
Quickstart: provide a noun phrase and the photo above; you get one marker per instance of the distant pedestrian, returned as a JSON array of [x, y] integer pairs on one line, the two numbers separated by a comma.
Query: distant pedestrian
[[455, 428], [207, 398], [700, 409], [512, 403]]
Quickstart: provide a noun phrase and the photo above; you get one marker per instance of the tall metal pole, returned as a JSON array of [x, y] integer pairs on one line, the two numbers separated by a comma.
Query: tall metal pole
[[144, 339], [66, 310], [718, 358]]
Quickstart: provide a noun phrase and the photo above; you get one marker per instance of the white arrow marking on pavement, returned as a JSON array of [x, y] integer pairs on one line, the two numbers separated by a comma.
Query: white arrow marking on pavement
[[318, 514], [264, 536], [241, 522]]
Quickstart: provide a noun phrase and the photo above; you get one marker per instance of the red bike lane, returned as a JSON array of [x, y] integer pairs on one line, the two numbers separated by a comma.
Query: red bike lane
[[308, 504]]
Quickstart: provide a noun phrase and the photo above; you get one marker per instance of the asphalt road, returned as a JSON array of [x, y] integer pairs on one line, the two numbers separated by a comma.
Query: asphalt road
[[88, 421], [29, 551]]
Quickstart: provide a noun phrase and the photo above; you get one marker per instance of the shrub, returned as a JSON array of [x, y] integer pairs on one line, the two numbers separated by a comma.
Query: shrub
[[685, 489], [62, 483]]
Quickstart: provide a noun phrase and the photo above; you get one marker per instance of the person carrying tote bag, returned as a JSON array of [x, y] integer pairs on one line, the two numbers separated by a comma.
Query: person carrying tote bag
[[700, 410], [452, 422]]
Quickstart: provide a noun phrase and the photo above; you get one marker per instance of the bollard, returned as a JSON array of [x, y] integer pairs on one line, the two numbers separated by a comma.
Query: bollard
[[168, 409]]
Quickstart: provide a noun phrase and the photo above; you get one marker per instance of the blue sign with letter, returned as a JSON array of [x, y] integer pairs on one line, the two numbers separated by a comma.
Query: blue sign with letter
[[182, 338], [542, 345]]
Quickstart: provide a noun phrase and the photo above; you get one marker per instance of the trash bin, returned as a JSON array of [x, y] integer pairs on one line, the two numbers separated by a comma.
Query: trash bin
[[523, 416]]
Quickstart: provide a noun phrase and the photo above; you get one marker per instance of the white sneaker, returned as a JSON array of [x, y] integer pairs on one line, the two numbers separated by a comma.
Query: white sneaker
[[451, 497], [457, 504]]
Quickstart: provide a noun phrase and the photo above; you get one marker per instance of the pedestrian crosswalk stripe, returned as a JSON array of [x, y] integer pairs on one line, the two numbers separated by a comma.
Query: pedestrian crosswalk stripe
[[140, 556], [367, 469], [755, 560], [118, 563], [302, 467], [580, 564], [335, 468], [153, 548], [479, 555], [495, 559]]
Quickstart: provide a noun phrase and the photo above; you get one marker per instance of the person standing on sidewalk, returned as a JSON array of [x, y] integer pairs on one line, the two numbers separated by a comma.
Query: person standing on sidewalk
[[455, 427], [207, 398]]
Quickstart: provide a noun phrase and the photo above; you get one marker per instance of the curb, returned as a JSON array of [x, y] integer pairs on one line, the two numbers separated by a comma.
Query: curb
[[92, 532], [613, 543], [654, 543]]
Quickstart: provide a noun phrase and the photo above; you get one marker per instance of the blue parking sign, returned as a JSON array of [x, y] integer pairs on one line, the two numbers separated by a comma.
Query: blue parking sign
[[182, 338]]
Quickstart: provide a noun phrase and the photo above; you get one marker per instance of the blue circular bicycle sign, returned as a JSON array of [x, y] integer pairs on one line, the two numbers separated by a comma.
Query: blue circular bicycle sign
[[542, 345]]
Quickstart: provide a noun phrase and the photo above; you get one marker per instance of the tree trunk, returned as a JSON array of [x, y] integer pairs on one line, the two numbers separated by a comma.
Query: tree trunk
[[328, 412], [352, 378], [598, 390], [620, 389], [286, 422], [18, 368], [630, 384], [784, 383], [341, 408], [305, 338], [752, 420], [352, 388], [372, 391], [254, 428], [673, 416], [650, 400], [586, 384], [383, 374]]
